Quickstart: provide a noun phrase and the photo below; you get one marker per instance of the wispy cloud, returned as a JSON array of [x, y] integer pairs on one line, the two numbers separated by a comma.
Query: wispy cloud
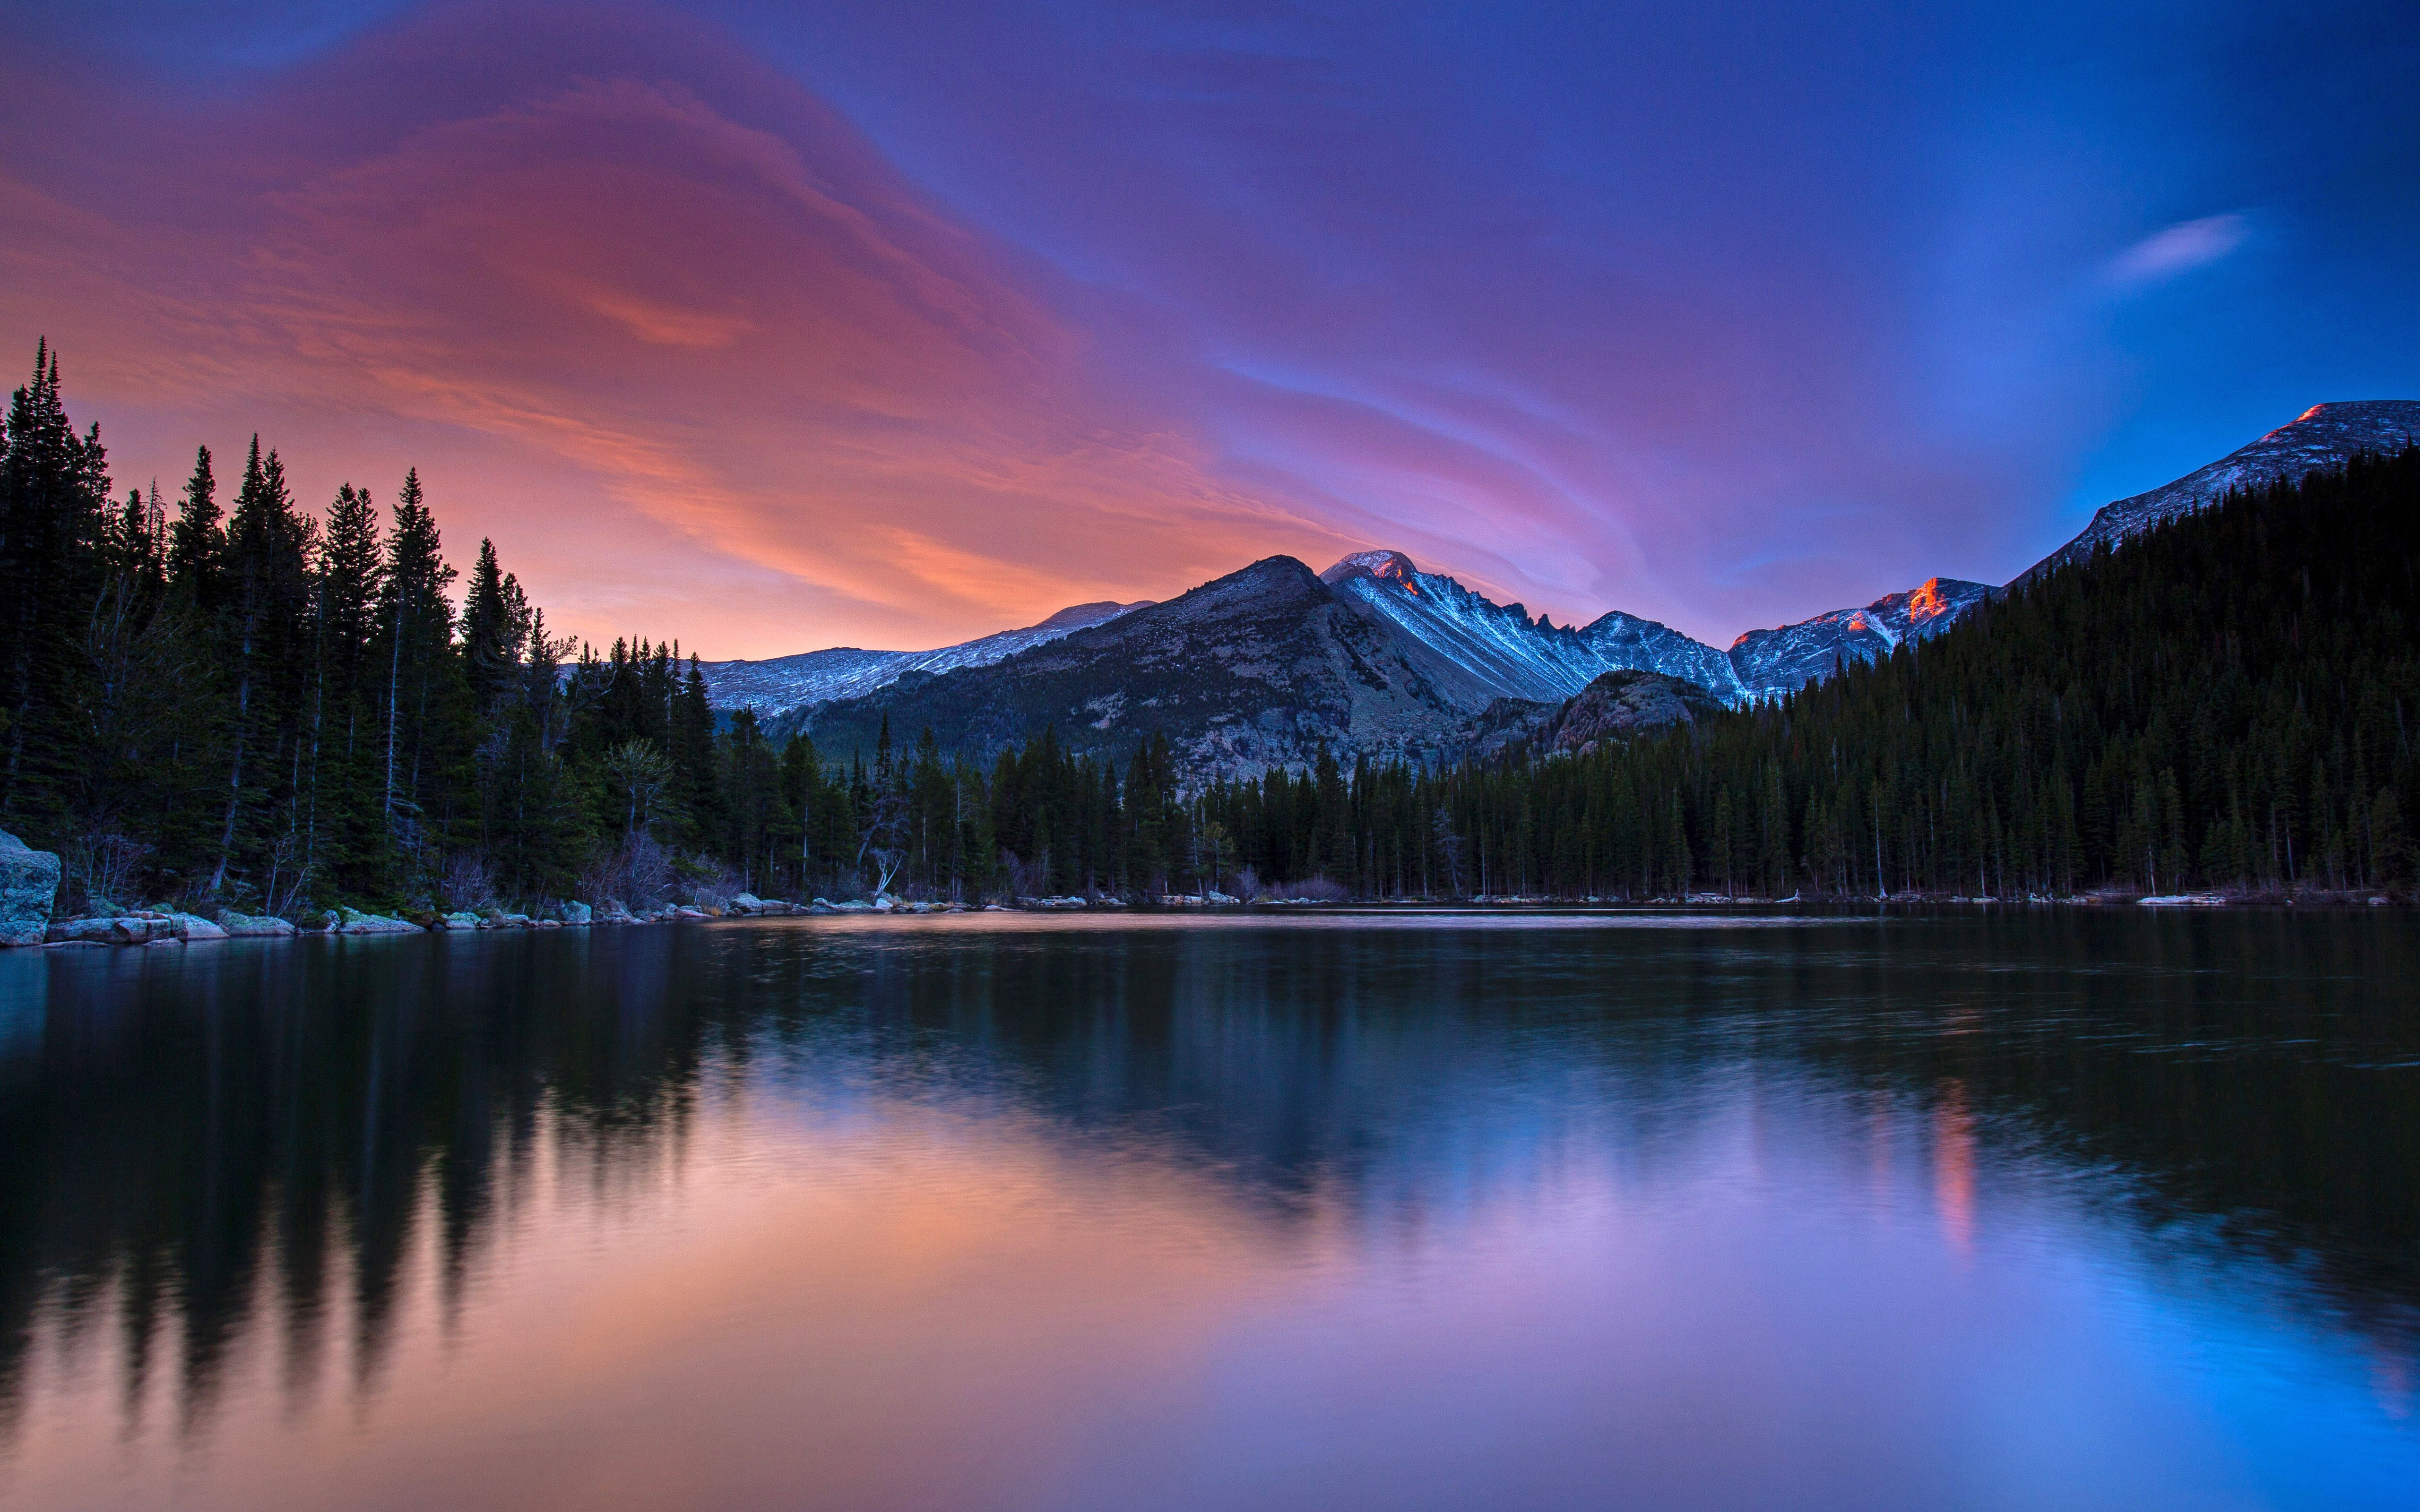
[[2179, 249]]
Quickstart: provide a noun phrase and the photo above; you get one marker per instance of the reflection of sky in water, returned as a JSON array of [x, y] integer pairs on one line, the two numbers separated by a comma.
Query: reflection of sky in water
[[1232, 1218]]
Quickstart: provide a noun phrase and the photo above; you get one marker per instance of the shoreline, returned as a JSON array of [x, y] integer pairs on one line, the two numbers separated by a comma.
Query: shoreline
[[85, 935]]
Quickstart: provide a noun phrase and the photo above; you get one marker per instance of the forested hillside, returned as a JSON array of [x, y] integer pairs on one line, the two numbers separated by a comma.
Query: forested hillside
[[252, 704]]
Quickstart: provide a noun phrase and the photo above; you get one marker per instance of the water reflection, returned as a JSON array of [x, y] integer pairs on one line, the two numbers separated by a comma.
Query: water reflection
[[1067, 1213]]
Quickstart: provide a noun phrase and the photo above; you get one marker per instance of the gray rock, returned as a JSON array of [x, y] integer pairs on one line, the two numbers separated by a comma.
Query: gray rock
[[254, 926], [97, 930], [461, 921], [29, 885], [353, 921], [191, 927], [574, 912], [123, 929]]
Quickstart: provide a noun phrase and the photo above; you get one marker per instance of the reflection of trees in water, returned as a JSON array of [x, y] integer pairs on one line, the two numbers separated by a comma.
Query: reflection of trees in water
[[1297, 1066], [181, 1123], [2252, 1068], [180, 1130]]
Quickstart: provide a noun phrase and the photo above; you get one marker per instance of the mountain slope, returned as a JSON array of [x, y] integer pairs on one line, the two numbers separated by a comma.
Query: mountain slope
[[1475, 649], [2324, 436], [781, 684]]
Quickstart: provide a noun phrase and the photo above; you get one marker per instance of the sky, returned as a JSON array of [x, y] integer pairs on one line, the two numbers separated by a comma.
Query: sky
[[891, 324]]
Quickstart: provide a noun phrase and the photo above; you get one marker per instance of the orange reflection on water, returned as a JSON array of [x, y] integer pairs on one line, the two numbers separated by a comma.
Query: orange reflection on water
[[1953, 1165], [733, 1318]]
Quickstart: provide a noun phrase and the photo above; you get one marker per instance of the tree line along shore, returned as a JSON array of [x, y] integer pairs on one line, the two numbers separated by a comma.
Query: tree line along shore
[[239, 707]]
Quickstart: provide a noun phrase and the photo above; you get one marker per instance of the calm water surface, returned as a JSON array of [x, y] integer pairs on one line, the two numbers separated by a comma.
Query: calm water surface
[[2048, 1210]]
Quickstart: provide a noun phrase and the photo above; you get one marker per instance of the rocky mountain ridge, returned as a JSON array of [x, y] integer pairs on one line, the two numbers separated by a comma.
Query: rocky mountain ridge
[[781, 684]]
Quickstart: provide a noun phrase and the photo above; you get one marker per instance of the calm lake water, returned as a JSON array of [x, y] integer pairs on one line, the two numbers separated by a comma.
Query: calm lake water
[[2059, 1209]]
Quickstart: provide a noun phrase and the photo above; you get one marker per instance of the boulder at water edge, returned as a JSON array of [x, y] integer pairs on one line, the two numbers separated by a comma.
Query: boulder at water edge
[[141, 927], [29, 884], [254, 926], [353, 921], [577, 913], [191, 927]]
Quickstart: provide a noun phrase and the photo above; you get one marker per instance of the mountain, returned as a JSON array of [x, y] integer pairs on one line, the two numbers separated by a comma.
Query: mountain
[[1469, 649], [1259, 668], [1255, 669], [782, 685], [2324, 436], [1372, 657]]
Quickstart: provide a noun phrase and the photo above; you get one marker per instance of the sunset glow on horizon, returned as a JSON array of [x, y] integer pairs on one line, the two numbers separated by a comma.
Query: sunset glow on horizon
[[889, 327]]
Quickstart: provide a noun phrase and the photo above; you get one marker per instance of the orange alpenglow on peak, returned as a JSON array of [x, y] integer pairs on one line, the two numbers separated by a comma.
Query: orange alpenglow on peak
[[1391, 566], [1928, 601]]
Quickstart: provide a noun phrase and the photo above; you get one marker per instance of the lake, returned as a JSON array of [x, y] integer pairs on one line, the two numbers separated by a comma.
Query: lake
[[2062, 1209]]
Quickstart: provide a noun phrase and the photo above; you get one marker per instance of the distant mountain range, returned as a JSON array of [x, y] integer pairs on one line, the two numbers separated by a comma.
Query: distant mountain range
[[1376, 657], [782, 683]]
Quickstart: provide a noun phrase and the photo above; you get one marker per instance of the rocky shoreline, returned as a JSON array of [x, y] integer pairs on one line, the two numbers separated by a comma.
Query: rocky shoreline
[[29, 889], [29, 885]]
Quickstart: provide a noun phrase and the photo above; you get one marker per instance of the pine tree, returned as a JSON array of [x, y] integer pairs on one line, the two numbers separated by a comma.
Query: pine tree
[[496, 624], [196, 543], [269, 551], [346, 832], [419, 705]]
